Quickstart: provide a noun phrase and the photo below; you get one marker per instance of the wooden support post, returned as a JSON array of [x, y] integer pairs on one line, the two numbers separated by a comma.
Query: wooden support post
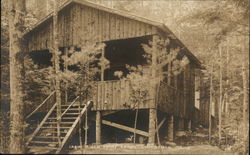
[[169, 73], [98, 127], [189, 125], [152, 125], [102, 65], [193, 125], [86, 129], [171, 129], [186, 124], [136, 117], [157, 131], [181, 124], [80, 122], [65, 70]]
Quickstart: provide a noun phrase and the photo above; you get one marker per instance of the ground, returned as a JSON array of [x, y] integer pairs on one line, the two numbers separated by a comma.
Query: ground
[[187, 143], [142, 149]]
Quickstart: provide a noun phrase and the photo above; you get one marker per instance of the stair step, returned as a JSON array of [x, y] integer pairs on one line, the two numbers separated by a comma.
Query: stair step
[[43, 147], [53, 118], [45, 138], [60, 123], [71, 113], [72, 108], [43, 142], [48, 137], [61, 132], [82, 105], [54, 127]]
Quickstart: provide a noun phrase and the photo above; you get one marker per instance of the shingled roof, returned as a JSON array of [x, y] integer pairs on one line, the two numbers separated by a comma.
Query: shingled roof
[[156, 24]]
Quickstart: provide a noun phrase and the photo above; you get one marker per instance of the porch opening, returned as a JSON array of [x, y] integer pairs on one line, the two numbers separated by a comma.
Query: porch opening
[[124, 52]]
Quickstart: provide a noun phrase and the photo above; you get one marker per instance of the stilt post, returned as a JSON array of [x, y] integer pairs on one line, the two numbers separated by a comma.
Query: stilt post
[[98, 127], [171, 129], [152, 126]]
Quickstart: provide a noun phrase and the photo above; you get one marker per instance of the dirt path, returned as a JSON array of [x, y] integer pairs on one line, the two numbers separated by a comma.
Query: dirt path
[[142, 149]]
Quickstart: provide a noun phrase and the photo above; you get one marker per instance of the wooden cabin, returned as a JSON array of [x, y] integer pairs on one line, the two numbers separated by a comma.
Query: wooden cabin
[[170, 106]]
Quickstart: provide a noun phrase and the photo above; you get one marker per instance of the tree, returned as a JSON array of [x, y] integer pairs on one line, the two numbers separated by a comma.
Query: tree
[[5, 92], [245, 80], [16, 28], [56, 57], [228, 22]]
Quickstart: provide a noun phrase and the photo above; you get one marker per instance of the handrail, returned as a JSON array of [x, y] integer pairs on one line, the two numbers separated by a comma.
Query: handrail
[[70, 105], [40, 105], [87, 105]]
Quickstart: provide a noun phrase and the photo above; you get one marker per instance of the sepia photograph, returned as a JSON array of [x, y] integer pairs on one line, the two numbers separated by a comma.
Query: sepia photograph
[[124, 77]]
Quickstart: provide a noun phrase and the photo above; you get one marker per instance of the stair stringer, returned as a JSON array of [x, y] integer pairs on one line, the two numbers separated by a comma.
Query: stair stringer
[[74, 126], [41, 124]]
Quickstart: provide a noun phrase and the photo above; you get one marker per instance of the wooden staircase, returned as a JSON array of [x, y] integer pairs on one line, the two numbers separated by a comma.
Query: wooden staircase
[[46, 136]]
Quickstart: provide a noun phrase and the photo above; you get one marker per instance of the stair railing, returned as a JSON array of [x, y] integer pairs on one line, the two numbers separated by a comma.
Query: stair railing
[[89, 104], [47, 98], [41, 124], [70, 105]]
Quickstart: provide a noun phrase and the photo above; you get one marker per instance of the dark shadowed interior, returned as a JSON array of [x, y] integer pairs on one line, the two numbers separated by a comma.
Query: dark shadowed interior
[[122, 52]]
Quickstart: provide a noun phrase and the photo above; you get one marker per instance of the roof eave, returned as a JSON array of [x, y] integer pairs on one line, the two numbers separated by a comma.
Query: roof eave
[[164, 28]]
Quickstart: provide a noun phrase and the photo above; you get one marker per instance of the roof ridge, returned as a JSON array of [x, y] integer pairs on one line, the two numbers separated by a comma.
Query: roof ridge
[[100, 7]]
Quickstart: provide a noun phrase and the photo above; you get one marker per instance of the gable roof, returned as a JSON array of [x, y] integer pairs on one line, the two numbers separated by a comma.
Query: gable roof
[[157, 24]]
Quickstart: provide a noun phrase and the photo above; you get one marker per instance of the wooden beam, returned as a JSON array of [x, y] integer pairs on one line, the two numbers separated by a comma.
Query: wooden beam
[[157, 132], [161, 123], [123, 127]]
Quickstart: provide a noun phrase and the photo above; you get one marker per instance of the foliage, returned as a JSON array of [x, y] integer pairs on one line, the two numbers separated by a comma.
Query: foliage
[[226, 25], [38, 81], [88, 61], [141, 77]]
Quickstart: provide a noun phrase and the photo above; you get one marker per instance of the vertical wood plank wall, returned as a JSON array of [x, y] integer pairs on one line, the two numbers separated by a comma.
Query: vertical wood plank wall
[[78, 23], [114, 95], [176, 101]]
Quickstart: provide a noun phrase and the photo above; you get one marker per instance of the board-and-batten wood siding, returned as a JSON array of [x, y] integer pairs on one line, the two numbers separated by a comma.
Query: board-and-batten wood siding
[[79, 23], [114, 95], [176, 101]]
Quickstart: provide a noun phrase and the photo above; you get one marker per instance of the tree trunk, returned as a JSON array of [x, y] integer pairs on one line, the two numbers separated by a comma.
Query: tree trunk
[[211, 100], [245, 77], [16, 28], [227, 66], [57, 68], [220, 102]]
